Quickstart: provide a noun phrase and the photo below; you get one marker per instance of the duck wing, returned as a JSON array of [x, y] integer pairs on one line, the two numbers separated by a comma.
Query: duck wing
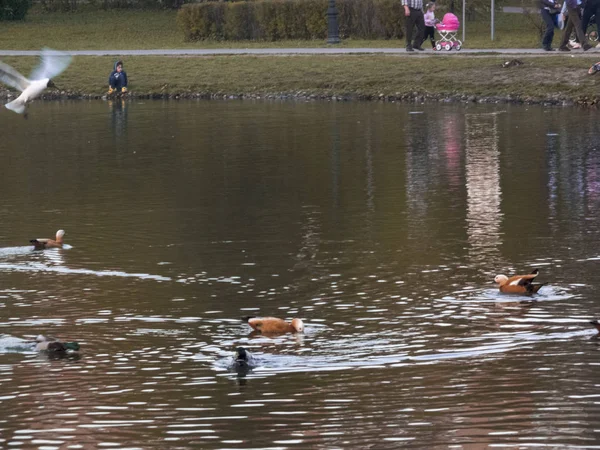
[[522, 280], [56, 346], [52, 63], [12, 78]]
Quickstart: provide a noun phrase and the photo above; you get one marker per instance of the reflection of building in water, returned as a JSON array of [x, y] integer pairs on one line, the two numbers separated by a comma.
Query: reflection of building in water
[[483, 186]]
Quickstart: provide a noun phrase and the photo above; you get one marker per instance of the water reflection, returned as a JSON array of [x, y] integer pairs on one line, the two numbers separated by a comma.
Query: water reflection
[[380, 236], [484, 194], [118, 117]]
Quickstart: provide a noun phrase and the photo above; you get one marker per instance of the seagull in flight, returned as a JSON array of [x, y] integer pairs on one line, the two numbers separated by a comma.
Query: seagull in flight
[[51, 65]]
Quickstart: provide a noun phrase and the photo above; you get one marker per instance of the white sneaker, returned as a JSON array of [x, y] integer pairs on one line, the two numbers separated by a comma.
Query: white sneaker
[[574, 44]]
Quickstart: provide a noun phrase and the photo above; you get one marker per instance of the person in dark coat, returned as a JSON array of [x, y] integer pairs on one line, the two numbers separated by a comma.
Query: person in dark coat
[[591, 9], [548, 9], [117, 79]]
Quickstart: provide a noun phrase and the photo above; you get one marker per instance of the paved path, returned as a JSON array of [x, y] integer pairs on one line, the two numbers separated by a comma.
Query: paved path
[[302, 51]]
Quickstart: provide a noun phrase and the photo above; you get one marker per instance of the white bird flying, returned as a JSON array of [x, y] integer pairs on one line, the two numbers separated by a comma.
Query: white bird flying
[[52, 64]]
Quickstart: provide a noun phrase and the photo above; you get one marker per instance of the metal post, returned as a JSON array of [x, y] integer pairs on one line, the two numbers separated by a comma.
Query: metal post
[[333, 34], [493, 24], [464, 22]]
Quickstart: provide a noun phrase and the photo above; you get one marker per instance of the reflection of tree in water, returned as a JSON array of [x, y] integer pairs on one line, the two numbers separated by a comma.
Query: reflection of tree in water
[[421, 167], [453, 152], [484, 195], [573, 167], [311, 239], [118, 117]]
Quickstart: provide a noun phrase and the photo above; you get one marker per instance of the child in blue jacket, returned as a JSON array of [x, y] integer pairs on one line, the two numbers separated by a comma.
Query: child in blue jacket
[[118, 79]]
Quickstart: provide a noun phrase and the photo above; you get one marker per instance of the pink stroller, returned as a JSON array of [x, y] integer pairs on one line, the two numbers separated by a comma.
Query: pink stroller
[[447, 29]]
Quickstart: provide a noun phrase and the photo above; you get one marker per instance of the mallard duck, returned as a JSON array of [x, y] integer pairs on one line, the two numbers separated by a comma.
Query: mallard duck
[[243, 361], [42, 243], [519, 284], [273, 325], [595, 68], [596, 325], [44, 344]]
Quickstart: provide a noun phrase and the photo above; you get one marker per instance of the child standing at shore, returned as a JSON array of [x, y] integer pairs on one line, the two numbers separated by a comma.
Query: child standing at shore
[[430, 24]]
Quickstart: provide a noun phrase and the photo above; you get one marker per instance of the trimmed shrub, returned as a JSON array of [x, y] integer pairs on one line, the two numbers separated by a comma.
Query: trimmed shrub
[[59, 5], [136, 4], [13, 9], [290, 19]]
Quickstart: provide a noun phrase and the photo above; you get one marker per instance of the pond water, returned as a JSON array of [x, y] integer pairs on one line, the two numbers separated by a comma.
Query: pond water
[[381, 225]]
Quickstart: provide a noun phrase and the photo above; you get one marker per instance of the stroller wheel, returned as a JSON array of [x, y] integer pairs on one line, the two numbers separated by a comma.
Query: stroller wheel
[[447, 46], [458, 47], [438, 47]]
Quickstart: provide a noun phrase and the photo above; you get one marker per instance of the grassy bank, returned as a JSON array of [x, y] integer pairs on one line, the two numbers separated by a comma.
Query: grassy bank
[[127, 29], [352, 76]]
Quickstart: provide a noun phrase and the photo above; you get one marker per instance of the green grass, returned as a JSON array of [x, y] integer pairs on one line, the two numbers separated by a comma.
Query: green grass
[[353, 75], [128, 29], [340, 75]]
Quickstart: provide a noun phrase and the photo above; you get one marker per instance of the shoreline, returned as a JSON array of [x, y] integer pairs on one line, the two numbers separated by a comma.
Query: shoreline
[[556, 81], [412, 97]]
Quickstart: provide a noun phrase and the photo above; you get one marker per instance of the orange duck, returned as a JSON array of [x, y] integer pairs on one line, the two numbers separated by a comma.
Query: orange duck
[[42, 243], [273, 325], [519, 284]]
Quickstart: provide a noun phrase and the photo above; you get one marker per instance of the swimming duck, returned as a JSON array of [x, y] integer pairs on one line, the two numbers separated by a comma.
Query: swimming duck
[[243, 361], [41, 244], [42, 343], [52, 64], [519, 284], [273, 325]]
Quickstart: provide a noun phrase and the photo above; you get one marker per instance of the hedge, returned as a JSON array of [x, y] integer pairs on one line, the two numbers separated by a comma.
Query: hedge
[[13, 9], [273, 20]]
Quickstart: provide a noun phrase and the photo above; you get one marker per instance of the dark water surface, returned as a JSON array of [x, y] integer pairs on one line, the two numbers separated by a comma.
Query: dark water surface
[[380, 225]]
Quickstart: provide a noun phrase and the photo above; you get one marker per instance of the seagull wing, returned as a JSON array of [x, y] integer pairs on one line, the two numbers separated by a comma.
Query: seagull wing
[[11, 77], [52, 64]]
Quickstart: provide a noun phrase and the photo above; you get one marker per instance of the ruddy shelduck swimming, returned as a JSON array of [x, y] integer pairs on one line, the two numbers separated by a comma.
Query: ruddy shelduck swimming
[[519, 284], [42, 243], [273, 325]]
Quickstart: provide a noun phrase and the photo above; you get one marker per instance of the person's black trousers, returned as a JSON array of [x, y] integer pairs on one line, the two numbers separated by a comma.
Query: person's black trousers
[[417, 19], [549, 33]]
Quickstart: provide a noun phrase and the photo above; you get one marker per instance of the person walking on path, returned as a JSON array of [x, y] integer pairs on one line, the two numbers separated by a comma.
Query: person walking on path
[[548, 10], [591, 8], [573, 11], [413, 11]]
